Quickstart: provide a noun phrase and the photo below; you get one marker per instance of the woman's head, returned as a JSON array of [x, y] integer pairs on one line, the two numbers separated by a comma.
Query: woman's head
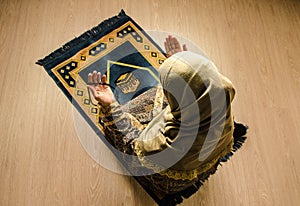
[[188, 80]]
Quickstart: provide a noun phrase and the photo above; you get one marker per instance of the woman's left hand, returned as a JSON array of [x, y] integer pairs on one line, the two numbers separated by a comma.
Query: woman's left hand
[[172, 46]]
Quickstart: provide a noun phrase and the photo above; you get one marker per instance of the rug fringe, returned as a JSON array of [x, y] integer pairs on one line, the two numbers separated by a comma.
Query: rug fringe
[[177, 198], [83, 40], [240, 129]]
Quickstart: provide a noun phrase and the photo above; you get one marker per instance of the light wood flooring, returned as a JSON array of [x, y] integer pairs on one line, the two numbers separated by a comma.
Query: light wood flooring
[[256, 43]]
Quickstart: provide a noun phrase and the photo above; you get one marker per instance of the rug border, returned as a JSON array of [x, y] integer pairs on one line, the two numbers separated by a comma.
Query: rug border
[[89, 37], [74, 46]]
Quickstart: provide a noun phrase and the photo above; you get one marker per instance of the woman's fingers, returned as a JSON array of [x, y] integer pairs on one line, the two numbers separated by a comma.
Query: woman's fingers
[[175, 43], [185, 47], [104, 79], [98, 77], [90, 78], [172, 45], [168, 50], [169, 41], [95, 77], [166, 47]]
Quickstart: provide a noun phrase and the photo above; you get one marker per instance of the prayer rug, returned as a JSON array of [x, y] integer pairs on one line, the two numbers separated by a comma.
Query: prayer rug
[[119, 48]]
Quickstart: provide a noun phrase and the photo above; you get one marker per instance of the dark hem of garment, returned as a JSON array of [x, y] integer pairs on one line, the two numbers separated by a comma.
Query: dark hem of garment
[[177, 198]]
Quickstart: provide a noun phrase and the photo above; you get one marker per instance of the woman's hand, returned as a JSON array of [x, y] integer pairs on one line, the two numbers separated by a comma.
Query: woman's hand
[[100, 89], [173, 46]]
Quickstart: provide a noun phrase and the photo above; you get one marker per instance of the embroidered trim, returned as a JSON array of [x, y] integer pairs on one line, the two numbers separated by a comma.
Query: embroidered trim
[[181, 175]]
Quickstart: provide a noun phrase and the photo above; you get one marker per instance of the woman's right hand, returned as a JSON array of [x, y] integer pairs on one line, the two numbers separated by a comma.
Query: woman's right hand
[[172, 46], [100, 89]]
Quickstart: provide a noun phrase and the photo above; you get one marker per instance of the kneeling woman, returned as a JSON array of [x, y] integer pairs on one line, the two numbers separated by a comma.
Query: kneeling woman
[[185, 142]]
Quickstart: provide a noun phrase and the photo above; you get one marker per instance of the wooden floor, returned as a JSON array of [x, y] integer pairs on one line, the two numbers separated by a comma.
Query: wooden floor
[[255, 43]]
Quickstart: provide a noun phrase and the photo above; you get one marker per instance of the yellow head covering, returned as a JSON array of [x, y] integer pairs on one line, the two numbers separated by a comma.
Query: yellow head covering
[[196, 127]]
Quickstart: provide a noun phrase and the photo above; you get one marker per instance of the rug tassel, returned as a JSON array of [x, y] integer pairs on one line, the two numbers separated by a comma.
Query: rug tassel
[[89, 37]]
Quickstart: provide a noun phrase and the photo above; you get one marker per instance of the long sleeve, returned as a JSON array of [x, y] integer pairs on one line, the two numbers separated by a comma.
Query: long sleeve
[[120, 127]]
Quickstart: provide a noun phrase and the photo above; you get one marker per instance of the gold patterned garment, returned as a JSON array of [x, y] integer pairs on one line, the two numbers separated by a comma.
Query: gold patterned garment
[[182, 142]]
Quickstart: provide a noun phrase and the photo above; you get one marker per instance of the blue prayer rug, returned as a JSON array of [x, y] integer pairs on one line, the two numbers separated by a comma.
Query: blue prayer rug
[[117, 47]]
